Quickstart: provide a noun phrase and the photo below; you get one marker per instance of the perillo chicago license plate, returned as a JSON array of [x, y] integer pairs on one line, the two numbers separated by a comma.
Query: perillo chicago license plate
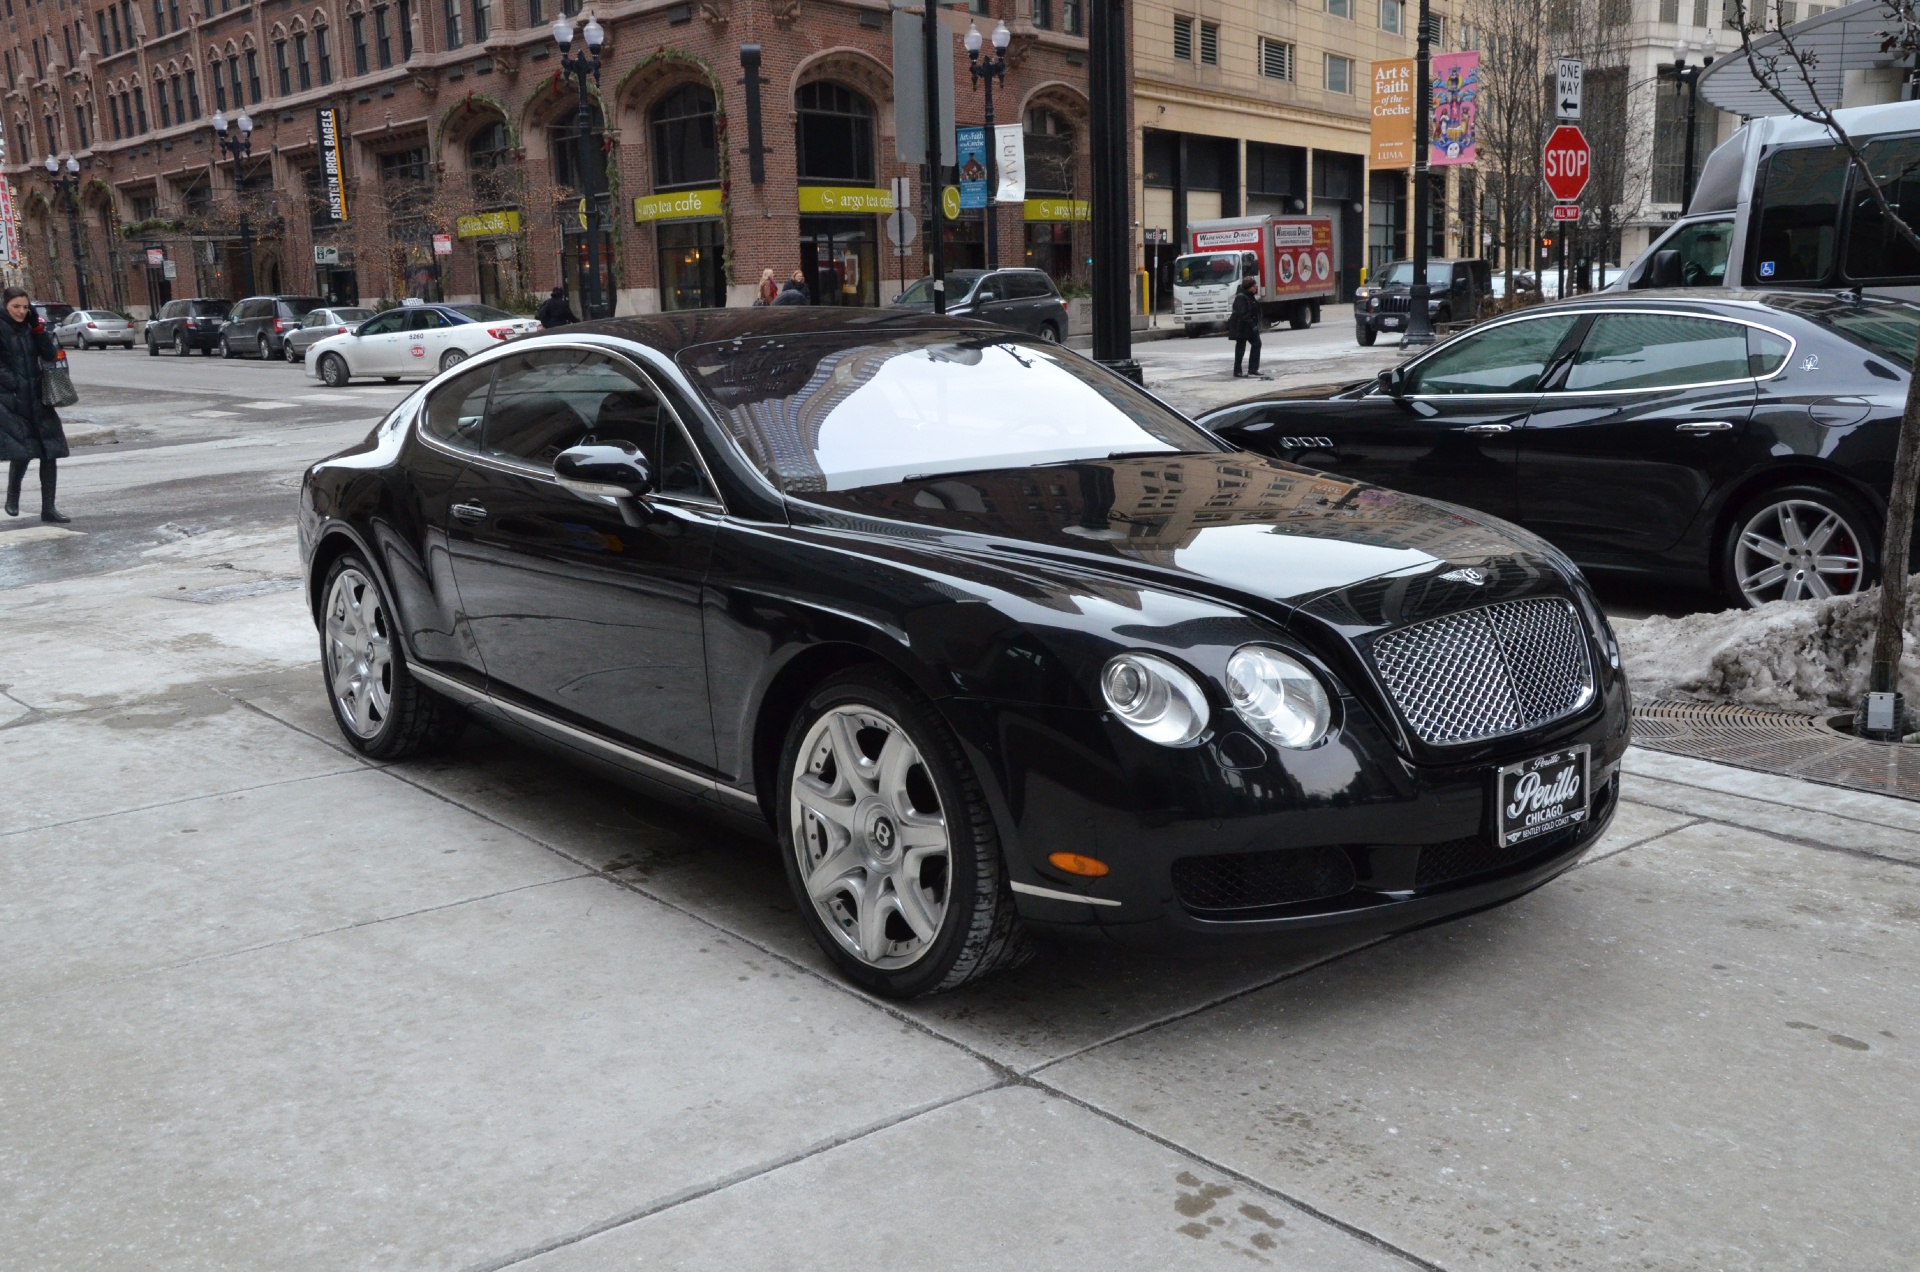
[[1541, 795]]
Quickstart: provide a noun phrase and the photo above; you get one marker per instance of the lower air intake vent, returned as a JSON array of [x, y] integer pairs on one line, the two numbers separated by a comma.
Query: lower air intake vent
[[1220, 885]]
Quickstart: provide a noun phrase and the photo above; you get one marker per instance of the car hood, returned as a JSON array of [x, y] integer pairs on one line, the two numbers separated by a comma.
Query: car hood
[[1254, 531]]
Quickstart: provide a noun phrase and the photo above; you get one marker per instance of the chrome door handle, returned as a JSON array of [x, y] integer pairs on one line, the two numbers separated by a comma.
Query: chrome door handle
[[1704, 426], [1487, 430], [469, 512]]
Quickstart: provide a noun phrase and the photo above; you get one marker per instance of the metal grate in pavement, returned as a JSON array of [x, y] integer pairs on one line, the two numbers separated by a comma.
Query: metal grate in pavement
[[1778, 742]]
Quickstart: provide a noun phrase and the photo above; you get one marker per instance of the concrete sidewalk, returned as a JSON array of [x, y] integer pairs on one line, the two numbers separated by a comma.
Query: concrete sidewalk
[[263, 1004]]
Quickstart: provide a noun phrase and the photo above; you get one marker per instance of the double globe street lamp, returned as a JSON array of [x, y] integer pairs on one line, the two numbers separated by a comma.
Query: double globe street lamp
[[67, 181], [580, 66], [986, 70], [238, 143]]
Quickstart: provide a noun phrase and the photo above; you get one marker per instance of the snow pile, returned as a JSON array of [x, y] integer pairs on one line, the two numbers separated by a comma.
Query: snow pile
[[1804, 656]]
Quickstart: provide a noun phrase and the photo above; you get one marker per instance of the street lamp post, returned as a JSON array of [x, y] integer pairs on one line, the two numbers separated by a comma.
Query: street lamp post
[[1112, 163], [581, 66], [237, 142], [1687, 80], [1419, 322], [987, 70], [68, 183]]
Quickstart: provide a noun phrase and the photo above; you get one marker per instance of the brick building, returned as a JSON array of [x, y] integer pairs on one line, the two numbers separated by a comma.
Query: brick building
[[456, 125]]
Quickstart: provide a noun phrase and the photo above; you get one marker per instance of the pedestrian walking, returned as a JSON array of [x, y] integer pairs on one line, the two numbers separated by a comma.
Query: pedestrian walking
[[29, 428], [794, 291], [769, 290], [1243, 324], [554, 311]]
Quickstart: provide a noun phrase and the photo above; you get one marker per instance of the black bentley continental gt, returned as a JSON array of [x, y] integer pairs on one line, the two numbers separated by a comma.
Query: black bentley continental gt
[[991, 639], [1741, 441]]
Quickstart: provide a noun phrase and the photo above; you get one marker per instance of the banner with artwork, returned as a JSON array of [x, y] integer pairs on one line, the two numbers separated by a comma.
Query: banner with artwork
[[1456, 108], [1393, 114]]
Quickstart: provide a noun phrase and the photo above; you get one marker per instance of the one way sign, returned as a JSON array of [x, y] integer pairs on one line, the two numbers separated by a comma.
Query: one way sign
[[1566, 101]]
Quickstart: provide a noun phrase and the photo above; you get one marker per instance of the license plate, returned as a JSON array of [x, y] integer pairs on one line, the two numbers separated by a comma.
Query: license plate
[[1542, 795], [1389, 323]]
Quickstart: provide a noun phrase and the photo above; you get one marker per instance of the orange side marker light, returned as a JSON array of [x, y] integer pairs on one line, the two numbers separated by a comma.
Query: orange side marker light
[[1074, 863]]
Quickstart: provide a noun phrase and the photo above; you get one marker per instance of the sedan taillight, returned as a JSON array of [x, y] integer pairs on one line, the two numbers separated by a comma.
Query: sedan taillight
[[500, 333], [339, 331], [93, 326]]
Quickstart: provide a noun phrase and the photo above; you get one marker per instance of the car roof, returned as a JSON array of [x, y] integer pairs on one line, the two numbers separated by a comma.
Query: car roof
[[669, 333], [1713, 300]]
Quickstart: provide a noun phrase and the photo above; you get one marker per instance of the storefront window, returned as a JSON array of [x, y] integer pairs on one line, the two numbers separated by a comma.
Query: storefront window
[[834, 134], [839, 256], [685, 148], [690, 265]]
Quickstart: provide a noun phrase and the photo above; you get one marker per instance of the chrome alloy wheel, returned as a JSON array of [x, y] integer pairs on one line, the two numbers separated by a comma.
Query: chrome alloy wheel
[[1795, 549], [870, 837], [359, 654]]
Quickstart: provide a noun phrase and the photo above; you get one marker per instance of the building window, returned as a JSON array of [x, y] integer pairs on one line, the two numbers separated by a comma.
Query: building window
[[173, 8], [300, 61], [233, 78], [1276, 59], [1340, 8], [536, 13], [1339, 74], [193, 96], [382, 38], [160, 101], [1392, 16], [564, 140], [126, 20], [140, 108], [179, 102], [482, 19], [1049, 142], [1209, 44], [406, 29], [80, 124], [113, 114], [834, 134], [101, 18], [1183, 38], [686, 151], [114, 15], [253, 76], [451, 9], [1669, 10], [490, 151], [1071, 12], [1043, 14], [1700, 17], [357, 27], [219, 84], [326, 55]]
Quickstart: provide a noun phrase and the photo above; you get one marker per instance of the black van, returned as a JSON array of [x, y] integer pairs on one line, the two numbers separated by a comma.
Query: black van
[[187, 324], [260, 324]]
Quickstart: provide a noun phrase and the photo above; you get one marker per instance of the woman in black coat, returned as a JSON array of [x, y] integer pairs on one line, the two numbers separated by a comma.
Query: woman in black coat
[[1243, 324], [29, 429]]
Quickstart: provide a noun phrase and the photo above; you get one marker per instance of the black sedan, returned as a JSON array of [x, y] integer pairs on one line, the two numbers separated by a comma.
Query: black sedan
[[1743, 441], [990, 639]]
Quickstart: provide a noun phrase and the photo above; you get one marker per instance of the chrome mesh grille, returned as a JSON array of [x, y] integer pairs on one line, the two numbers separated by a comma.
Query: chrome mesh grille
[[1487, 672]]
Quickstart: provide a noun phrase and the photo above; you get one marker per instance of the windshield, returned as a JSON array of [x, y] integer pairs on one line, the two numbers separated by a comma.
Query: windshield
[[1400, 274], [920, 292], [352, 315], [1892, 331], [106, 315], [481, 313], [1210, 267], [822, 413], [301, 306]]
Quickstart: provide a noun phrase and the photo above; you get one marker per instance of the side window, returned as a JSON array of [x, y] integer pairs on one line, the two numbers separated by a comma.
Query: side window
[[455, 411], [1657, 351], [1766, 352], [318, 318], [1703, 253], [1799, 215], [1874, 248], [676, 468], [422, 320], [172, 309], [549, 400], [1509, 358], [384, 325]]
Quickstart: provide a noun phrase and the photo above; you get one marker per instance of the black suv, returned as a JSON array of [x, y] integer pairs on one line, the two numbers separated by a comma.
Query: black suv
[[260, 324], [1457, 291], [1023, 299], [187, 324]]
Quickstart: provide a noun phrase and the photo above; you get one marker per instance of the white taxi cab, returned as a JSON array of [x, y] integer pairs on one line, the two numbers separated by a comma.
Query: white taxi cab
[[414, 340]]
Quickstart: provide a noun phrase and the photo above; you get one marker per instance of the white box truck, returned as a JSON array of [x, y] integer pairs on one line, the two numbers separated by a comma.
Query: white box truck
[[1292, 256]]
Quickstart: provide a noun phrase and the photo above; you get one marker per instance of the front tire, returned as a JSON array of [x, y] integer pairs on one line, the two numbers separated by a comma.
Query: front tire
[[333, 371], [226, 348], [291, 355], [153, 350], [1365, 335], [383, 712], [1796, 543], [452, 358], [889, 845]]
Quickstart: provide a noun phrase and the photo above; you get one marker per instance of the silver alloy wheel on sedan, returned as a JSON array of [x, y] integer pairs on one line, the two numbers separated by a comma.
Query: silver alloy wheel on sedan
[[452, 358], [293, 355], [1794, 549], [359, 654], [870, 838]]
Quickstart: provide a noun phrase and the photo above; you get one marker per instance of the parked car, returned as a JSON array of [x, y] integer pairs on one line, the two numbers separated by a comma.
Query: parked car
[[187, 324], [91, 328], [259, 324], [318, 325], [986, 636], [413, 340], [1021, 299], [1457, 290], [51, 312], [1742, 441]]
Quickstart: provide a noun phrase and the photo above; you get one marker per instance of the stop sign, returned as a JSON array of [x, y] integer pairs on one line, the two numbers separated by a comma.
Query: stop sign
[[1568, 163]]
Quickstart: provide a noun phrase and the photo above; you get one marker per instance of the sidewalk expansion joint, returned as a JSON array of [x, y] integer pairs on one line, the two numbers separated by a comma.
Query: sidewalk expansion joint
[[172, 803]]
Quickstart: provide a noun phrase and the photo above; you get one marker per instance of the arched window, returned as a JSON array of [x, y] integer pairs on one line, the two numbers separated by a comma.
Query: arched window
[[160, 101], [834, 134], [217, 80], [300, 60], [325, 55], [282, 68], [564, 138], [685, 146], [193, 95], [1049, 152], [490, 167]]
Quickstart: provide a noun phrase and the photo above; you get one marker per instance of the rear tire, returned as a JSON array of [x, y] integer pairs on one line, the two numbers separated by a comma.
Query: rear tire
[[1760, 561], [893, 856], [452, 358], [1365, 335], [1049, 333], [383, 712], [262, 350], [1298, 317], [333, 371], [179, 345]]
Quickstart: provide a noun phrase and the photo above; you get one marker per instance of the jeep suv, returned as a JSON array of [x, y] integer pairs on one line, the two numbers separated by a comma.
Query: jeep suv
[[260, 324], [1457, 291], [187, 324]]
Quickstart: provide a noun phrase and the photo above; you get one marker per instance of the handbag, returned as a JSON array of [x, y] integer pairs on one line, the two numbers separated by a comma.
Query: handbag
[[56, 384]]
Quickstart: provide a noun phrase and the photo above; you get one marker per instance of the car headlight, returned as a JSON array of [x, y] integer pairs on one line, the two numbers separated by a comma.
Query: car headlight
[[1278, 697], [1155, 699]]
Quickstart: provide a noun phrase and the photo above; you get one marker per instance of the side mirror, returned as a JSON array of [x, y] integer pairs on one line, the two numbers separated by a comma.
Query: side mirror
[[615, 470], [1394, 381], [1665, 270]]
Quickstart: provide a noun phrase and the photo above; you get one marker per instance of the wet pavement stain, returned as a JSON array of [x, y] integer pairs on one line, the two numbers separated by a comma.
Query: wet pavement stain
[[1198, 1202]]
